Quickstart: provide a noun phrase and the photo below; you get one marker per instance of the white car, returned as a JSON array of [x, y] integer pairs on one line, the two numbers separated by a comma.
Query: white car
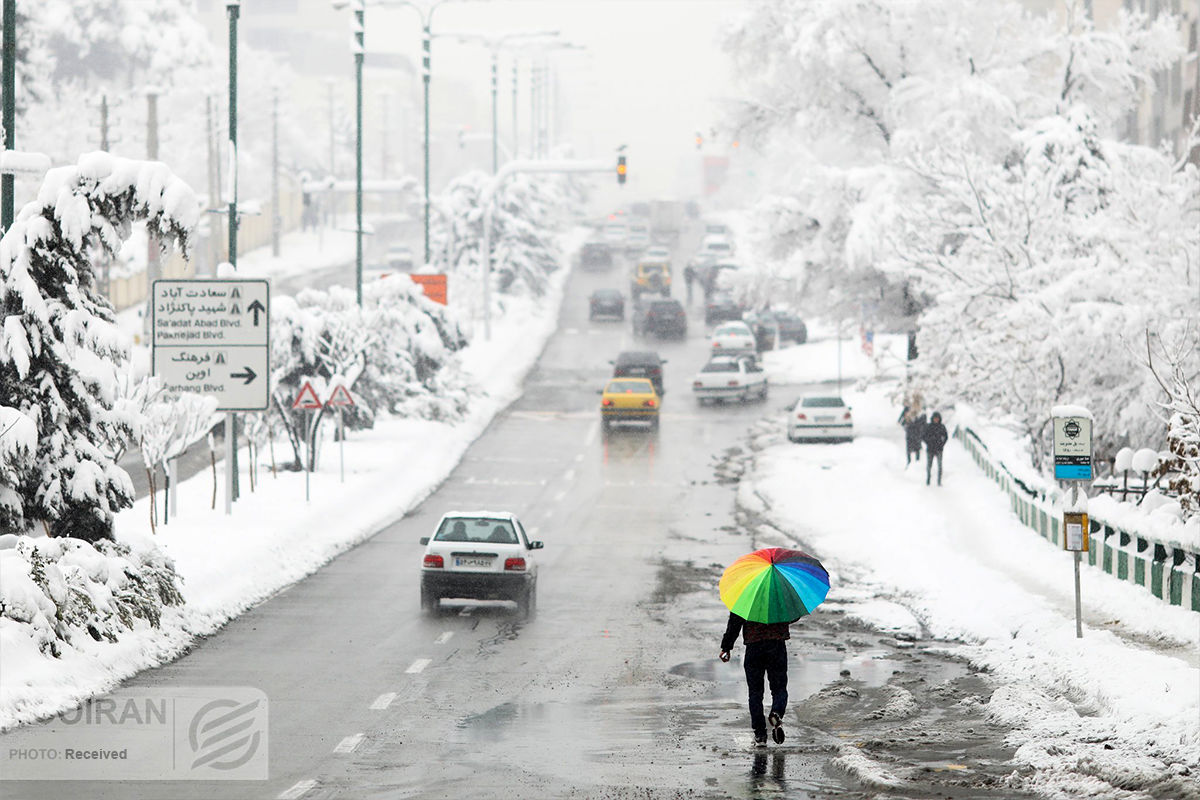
[[715, 247], [480, 555], [733, 337], [820, 418], [730, 378]]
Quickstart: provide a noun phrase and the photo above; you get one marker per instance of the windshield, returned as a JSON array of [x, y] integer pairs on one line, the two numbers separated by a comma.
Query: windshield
[[476, 529], [629, 387], [823, 402]]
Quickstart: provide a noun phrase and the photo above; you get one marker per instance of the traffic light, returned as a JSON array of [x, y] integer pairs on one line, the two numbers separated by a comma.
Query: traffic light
[[621, 170], [699, 140]]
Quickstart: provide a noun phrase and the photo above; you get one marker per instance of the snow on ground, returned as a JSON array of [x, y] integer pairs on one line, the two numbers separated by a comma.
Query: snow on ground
[[1121, 705], [274, 538], [817, 361]]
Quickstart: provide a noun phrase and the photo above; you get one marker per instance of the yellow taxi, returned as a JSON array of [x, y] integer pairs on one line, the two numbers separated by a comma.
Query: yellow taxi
[[651, 276], [629, 400]]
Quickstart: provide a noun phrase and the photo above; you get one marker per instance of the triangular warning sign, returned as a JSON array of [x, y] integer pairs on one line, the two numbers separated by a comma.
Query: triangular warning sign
[[235, 309], [307, 397], [220, 358], [235, 293], [340, 397]]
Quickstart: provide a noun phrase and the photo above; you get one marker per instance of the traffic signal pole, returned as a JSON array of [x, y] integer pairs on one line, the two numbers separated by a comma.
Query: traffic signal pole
[[9, 81], [488, 199]]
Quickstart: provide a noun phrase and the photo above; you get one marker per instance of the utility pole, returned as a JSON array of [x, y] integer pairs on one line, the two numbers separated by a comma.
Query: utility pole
[[8, 86], [495, 110], [214, 186], [359, 54], [516, 152], [275, 218], [383, 135], [153, 267], [426, 65], [329, 195], [104, 122], [231, 447]]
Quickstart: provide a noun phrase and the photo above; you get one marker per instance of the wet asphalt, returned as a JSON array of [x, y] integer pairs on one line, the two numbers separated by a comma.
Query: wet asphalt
[[613, 690]]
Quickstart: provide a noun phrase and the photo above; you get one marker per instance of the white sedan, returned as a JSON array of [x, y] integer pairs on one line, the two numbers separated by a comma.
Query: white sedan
[[480, 555], [734, 337], [730, 378], [820, 418]]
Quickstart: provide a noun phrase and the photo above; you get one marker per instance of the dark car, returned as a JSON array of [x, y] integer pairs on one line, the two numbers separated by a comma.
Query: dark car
[[596, 256], [606, 303], [640, 364], [721, 307], [663, 318], [765, 327], [791, 327]]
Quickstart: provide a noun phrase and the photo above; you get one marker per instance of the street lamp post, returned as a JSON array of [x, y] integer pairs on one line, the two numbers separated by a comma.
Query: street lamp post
[[359, 53], [233, 7], [9, 81]]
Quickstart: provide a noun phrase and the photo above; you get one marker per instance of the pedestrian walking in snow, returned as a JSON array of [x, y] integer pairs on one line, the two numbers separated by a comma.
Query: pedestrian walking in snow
[[766, 656], [913, 420], [935, 437], [689, 277]]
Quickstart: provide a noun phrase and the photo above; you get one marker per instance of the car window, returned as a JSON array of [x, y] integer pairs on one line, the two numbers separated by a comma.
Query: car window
[[629, 387], [730, 330], [720, 366], [823, 402], [476, 529]]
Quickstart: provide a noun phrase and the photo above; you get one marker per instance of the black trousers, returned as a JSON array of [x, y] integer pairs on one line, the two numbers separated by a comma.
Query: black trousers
[[929, 457], [767, 659]]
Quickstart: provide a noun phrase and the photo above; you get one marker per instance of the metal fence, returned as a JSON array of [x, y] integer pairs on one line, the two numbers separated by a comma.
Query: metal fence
[[1167, 571]]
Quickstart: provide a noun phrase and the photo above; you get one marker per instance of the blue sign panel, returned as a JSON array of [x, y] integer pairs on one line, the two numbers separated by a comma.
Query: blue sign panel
[[1073, 472]]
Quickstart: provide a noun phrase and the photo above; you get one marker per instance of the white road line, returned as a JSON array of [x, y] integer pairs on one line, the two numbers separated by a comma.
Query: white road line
[[445, 637], [418, 666], [299, 790], [383, 701], [348, 744], [593, 429]]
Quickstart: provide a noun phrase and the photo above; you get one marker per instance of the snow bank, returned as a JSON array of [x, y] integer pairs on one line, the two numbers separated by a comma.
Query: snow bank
[[1125, 697]]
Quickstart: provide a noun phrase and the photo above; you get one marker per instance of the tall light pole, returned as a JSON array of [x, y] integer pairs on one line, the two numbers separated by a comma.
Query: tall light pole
[[358, 29], [8, 79], [495, 43], [233, 7]]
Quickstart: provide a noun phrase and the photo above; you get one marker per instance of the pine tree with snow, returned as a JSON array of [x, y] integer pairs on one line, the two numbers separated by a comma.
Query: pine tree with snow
[[60, 350]]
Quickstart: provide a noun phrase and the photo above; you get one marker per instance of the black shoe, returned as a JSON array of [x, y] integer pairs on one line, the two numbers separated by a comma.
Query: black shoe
[[776, 727], [760, 739]]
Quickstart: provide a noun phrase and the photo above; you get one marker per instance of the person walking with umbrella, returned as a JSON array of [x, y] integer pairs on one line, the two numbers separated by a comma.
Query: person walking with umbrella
[[765, 592]]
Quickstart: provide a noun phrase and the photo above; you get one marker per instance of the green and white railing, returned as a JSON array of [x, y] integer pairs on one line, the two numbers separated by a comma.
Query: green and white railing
[[1166, 570]]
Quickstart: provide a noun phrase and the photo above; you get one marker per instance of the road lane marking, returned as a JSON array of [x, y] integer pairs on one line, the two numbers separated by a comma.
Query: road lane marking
[[418, 666], [445, 637], [593, 429], [300, 789], [569, 475], [348, 744], [383, 701]]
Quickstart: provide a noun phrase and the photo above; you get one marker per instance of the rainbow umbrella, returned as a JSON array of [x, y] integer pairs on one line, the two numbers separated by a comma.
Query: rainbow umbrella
[[774, 585]]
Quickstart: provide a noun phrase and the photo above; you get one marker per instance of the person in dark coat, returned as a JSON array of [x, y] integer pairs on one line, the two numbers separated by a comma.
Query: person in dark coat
[[766, 654], [935, 440], [913, 420], [689, 277]]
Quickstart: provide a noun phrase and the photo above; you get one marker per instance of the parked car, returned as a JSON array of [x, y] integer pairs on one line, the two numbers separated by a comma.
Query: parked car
[[606, 303], [651, 276], [733, 337], [730, 378], [663, 318], [595, 256], [629, 400], [640, 364], [480, 555], [820, 418], [399, 257], [721, 307], [791, 327]]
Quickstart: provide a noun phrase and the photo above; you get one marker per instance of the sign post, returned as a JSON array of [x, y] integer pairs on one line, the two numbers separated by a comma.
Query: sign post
[[339, 399], [213, 337], [307, 399], [1073, 463]]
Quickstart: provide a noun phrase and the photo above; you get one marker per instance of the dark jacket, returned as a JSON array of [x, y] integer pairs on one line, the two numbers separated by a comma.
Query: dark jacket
[[914, 432], [753, 631], [935, 435]]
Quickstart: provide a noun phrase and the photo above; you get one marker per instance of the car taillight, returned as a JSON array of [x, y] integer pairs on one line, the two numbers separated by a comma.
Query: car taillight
[[733, 383], [514, 565], [846, 415], [606, 402], [680, 314], [801, 416], [716, 344], [696, 384], [656, 370], [434, 561], [650, 403]]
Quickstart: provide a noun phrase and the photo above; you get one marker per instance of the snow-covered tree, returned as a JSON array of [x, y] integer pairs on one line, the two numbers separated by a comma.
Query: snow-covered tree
[[61, 352]]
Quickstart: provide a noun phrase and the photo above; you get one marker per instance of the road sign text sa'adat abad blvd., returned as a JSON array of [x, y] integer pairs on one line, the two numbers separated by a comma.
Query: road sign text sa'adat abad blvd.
[[213, 337]]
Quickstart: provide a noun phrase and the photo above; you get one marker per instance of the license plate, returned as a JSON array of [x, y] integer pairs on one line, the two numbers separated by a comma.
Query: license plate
[[824, 419], [472, 562]]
